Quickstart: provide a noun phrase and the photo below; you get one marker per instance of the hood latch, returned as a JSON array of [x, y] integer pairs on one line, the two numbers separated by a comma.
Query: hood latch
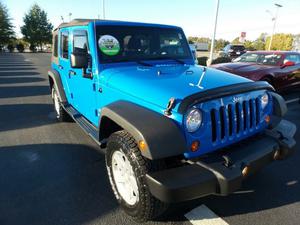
[[170, 106]]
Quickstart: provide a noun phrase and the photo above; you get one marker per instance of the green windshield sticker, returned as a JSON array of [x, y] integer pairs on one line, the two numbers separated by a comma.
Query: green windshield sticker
[[109, 45]]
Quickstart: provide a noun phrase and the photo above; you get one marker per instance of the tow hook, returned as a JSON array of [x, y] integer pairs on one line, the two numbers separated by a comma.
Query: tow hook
[[227, 161]]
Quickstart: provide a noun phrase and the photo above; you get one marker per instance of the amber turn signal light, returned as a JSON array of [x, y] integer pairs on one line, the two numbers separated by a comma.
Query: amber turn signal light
[[195, 146], [267, 119], [246, 171], [142, 145]]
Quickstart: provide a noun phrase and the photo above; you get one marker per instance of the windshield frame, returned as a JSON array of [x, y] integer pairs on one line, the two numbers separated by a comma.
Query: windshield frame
[[186, 58]]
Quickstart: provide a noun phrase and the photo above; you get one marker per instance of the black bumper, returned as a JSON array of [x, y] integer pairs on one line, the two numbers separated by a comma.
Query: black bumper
[[215, 175]]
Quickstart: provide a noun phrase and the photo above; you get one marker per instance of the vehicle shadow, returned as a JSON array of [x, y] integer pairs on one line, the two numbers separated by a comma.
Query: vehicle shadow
[[24, 116], [15, 68], [23, 91], [18, 73], [15, 80], [18, 64], [53, 184]]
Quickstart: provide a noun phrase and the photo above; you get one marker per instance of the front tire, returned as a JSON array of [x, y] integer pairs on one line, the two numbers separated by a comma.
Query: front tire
[[127, 170], [61, 114]]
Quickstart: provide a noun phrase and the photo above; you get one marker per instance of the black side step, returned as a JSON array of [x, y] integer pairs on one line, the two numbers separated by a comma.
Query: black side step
[[89, 128]]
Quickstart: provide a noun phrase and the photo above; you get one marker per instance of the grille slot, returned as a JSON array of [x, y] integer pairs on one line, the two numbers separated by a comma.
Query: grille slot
[[213, 125], [238, 117], [234, 119], [257, 103], [230, 119], [251, 114], [222, 120]]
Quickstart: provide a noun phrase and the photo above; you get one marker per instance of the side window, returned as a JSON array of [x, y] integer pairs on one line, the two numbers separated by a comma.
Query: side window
[[293, 58], [80, 41], [64, 45], [55, 46]]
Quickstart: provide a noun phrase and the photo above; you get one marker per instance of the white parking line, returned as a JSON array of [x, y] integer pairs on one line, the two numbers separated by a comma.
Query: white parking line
[[202, 215], [292, 100]]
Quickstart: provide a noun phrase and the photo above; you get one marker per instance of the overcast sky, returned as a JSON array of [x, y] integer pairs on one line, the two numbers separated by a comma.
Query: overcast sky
[[195, 16]]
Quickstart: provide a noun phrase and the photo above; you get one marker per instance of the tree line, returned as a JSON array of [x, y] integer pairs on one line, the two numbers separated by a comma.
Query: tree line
[[36, 31], [283, 42]]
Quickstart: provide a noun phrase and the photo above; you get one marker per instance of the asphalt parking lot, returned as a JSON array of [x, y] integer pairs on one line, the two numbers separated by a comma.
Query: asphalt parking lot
[[53, 173]]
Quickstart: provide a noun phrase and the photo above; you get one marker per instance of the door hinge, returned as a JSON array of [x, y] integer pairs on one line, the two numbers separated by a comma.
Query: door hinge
[[72, 95], [94, 87], [96, 112]]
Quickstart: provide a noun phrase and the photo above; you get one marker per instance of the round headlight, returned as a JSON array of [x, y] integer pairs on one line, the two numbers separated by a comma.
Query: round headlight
[[193, 120], [264, 100]]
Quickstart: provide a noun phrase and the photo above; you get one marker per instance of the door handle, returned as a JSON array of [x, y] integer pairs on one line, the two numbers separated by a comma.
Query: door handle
[[71, 72], [60, 67]]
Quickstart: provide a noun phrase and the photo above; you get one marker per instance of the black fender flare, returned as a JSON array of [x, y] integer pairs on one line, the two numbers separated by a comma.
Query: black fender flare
[[55, 76], [162, 136]]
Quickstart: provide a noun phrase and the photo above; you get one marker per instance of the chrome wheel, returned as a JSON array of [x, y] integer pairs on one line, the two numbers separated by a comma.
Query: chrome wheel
[[124, 178]]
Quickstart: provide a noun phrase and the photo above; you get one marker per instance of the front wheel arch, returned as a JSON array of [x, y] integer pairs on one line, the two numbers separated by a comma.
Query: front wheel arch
[[269, 78]]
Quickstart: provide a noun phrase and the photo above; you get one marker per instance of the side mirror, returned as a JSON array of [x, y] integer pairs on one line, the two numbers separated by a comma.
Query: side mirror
[[79, 60], [287, 64]]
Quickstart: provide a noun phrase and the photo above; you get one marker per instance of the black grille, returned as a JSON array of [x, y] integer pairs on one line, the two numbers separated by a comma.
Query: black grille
[[234, 119]]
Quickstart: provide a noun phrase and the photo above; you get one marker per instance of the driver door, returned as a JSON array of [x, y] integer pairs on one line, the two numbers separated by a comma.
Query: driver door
[[83, 88]]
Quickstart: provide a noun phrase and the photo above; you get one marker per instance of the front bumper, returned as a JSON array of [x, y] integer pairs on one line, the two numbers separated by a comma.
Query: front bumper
[[221, 173]]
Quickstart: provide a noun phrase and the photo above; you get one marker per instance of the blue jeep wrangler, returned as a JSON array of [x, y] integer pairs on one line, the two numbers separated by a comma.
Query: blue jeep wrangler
[[171, 130]]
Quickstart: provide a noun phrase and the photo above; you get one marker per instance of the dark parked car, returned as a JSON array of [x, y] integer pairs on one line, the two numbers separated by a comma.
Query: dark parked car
[[281, 69], [233, 51]]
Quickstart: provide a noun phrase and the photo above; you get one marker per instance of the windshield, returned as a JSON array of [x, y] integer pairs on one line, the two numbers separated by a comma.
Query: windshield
[[133, 43], [265, 59]]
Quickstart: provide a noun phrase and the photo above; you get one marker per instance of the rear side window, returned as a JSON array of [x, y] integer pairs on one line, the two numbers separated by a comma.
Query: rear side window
[[294, 58], [55, 46], [64, 45], [80, 41]]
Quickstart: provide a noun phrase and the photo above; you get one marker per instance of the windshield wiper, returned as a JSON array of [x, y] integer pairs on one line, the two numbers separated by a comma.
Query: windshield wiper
[[170, 58], [143, 63], [136, 61]]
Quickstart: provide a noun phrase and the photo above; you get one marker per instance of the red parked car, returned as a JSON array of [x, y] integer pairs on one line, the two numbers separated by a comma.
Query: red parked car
[[279, 68]]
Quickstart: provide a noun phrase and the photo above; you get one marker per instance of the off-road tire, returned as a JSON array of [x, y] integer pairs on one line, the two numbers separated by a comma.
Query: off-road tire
[[147, 207], [60, 113]]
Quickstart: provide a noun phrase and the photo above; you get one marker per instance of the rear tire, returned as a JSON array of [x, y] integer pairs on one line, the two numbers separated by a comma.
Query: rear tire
[[61, 114], [143, 206]]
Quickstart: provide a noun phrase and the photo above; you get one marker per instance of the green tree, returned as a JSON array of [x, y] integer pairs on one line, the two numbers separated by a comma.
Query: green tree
[[37, 29], [260, 42], [283, 42], [249, 45], [236, 41], [220, 44], [6, 28], [193, 40]]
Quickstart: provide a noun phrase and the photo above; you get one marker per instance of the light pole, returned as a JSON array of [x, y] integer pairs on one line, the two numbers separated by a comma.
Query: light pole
[[103, 9], [274, 19], [70, 14], [214, 35]]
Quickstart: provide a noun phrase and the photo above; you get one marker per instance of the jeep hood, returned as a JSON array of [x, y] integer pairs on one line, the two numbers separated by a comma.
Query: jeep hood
[[158, 84]]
